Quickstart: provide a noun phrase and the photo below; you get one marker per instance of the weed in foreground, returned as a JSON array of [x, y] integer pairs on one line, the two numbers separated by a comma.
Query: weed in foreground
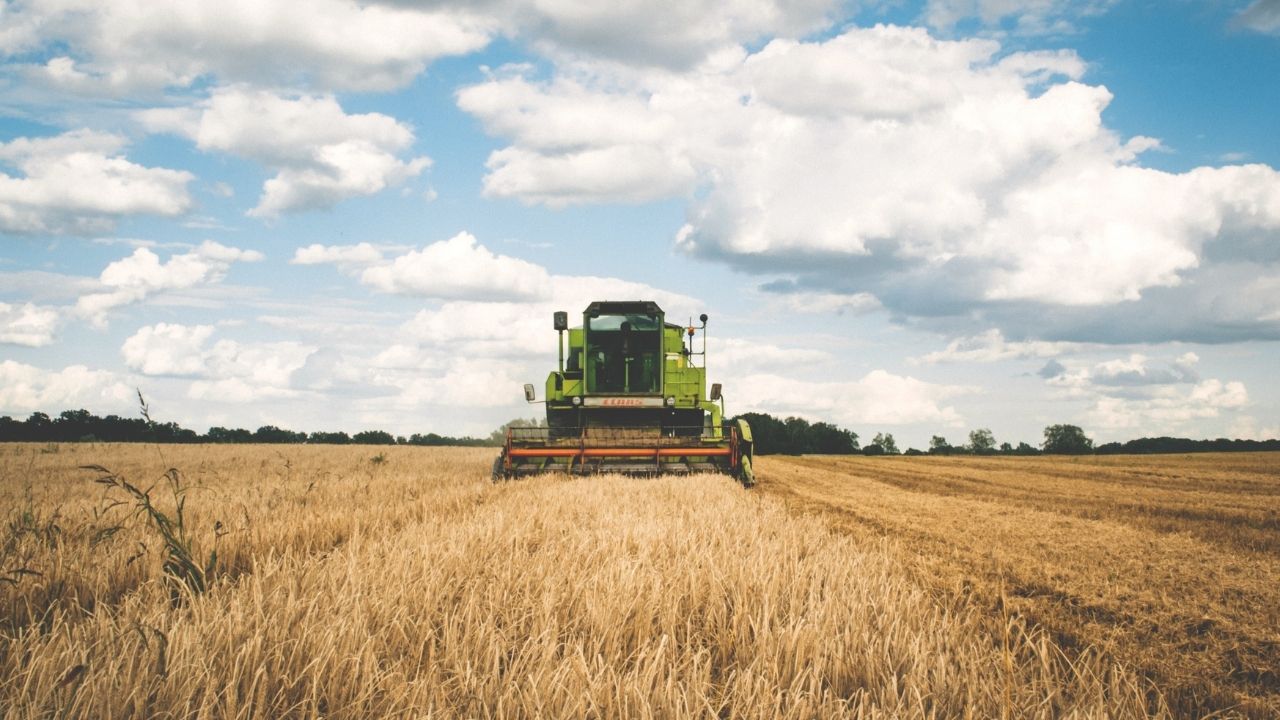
[[182, 563]]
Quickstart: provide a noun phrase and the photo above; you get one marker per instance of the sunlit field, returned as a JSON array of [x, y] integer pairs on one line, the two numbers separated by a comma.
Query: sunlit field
[[358, 581], [1168, 563]]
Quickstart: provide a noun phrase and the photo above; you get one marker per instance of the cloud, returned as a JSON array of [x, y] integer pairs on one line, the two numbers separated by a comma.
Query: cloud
[[459, 268], [672, 35], [226, 371], [141, 275], [1169, 410], [167, 349], [1025, 17], [1135, 371], [1051, 369], [123, 46], [80, 183], [478, 282], [943, 179], [344, 256], [820, 303], [510, 329], [991, 346], [26, 388], [321, 155], [1247, 428], [479, 382], [878, 398], [1262, 16], [750, 355], [28, 324], [1136, 394]]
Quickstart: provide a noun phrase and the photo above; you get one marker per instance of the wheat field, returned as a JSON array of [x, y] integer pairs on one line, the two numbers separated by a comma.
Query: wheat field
[[353, 582], [1169, 563]]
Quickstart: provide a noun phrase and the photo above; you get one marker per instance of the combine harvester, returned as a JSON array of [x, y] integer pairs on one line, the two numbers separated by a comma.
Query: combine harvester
[[629, 400]]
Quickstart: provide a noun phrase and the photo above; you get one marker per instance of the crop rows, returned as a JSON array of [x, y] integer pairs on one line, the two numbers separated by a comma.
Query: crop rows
[[404, 584]]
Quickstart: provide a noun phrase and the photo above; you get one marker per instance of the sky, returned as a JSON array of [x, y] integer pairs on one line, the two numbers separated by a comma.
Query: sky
[[914, 217]]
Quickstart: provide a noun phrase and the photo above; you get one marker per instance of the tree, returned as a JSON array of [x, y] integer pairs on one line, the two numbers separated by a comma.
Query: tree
[[373, 437], [938, 445], [886, 443], [831, 440], [329, 438], [982, 442], [795, 436], [1066, 440], [275, 435], [219, 434], [769, 433], [1006, 448], [499, 436]]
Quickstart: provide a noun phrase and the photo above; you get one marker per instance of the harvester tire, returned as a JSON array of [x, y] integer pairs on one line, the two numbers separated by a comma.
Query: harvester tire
[[499, 472], [747, 476]]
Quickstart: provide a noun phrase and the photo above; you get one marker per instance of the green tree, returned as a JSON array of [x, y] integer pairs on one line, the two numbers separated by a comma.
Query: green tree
[[938, 445], [274, 435], [329, 438], [886, 443], [982, 442], [1066, 440], [373, 437]]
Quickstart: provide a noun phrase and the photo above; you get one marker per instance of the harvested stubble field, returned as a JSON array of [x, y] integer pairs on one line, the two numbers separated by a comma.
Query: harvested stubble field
[[399, 582], [1169, 564]]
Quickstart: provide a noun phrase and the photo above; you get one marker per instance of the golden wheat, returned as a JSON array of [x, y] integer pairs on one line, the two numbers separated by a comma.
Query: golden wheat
[[412, 587], [1168, 562]]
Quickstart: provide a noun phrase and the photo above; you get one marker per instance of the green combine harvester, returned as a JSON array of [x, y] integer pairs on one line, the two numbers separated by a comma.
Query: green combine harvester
[[631, 398]]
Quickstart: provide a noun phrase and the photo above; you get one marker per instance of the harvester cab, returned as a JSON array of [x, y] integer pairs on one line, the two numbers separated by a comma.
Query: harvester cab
[[630, 396]]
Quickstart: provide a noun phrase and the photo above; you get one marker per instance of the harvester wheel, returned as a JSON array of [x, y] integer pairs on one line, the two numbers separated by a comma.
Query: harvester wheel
[[746, 476], [499, 472]]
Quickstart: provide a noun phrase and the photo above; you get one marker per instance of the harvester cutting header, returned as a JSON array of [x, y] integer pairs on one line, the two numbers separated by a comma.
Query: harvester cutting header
[[630, 397]]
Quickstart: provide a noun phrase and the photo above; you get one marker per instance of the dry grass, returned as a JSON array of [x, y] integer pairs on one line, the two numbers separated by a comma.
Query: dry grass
[[1168, 563], [414, 587]]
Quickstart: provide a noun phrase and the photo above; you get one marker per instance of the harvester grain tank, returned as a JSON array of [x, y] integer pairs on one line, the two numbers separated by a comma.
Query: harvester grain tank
[[630, 397]]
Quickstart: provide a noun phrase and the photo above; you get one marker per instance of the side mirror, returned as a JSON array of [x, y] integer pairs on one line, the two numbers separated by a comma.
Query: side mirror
[[561, 320], [528, 392], [715, 391]]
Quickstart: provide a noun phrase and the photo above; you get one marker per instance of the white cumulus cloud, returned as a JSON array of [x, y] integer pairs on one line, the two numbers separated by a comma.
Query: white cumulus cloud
[[459, 268], [26, 388], [878, 398], [932, 176], [80, 182], [321, 154], [167, 349], [123, 46], [226, 371], [345, 256], [28, 324], [1139, 394], [1168, 409], [991, 346], [142, 274]]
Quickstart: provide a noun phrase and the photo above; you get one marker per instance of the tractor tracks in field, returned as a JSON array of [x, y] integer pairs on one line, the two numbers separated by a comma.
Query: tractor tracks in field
[[1196, 617]]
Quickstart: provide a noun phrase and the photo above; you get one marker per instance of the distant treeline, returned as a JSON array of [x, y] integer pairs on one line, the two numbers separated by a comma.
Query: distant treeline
[[797, 436], [772, 435], [84, 426], [1185, 445]]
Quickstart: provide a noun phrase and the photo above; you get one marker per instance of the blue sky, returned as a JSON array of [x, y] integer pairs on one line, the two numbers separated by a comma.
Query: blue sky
[[909, 217]]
